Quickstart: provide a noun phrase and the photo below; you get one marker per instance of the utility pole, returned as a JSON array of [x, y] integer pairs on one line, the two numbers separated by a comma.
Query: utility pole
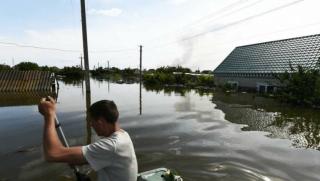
[[86, 65], [81, 65], [85, 44], [108, 65], [140, 63]]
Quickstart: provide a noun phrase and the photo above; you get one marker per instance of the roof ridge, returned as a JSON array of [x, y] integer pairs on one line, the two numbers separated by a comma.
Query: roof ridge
[[273, 55], [272, 41]]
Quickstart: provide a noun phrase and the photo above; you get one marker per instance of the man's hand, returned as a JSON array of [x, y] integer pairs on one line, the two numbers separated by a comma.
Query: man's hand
[[47, 107]]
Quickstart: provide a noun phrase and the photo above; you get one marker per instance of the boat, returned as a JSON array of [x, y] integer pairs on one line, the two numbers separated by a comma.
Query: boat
[[159, 174]]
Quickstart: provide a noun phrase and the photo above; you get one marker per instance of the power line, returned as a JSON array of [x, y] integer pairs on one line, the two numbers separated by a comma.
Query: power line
[[132, 49], [217, 17], [256, 35], [211, 15], [243, 20], [239, 9], [63, 50], [283, 30], [222, 15], [218, 28], [38, 47], [114, 51]]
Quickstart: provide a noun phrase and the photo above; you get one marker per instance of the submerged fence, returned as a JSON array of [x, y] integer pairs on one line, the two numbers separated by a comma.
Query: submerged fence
[[27, 81]]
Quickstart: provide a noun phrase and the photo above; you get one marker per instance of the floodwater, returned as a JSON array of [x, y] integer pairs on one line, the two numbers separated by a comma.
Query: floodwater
[[204, 136]]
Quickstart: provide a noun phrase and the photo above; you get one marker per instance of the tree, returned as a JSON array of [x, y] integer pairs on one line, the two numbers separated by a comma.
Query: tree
[[207, 72], [50, 69], [4, 67], [169, 69], [115, 70], [129, 71], [72, 72], [301, 86], [25, 66]]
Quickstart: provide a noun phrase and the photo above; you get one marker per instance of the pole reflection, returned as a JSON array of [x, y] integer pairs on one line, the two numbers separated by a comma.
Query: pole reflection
[[88, 103], [140, 98]]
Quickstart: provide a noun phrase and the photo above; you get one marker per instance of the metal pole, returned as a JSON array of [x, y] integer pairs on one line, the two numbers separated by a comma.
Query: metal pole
[[79, 176], [64, 140], [85, 44]]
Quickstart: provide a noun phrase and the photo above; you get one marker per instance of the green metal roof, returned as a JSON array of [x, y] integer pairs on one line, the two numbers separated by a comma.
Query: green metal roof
[[273, 56]]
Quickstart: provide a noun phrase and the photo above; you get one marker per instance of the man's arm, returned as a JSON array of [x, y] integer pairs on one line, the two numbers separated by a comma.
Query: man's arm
[[53, 149]]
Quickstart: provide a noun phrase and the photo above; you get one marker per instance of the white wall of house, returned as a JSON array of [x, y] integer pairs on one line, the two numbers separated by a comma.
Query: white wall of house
[[246, 82]]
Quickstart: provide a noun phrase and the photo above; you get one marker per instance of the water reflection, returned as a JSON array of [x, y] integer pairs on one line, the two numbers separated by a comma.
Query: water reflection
[[22, 98], [140, 97], [303, 126], [177, 90], [80, 82], [300, 125], [168, 90], [263, 114], [72, 81], [201, 134], [88, 103]]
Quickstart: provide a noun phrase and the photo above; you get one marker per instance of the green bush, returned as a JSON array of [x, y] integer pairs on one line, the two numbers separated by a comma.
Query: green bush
[[160, 78], [301, 86], [205, 80]]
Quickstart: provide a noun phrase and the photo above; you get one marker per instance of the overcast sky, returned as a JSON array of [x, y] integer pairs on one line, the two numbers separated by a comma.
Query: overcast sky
[[191, 33]]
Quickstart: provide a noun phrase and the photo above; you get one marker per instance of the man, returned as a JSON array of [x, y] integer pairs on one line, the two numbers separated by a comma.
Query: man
[[112, 156]]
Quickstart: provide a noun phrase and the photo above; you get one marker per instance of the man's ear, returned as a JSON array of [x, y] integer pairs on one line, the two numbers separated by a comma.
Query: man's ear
[[100, 121]]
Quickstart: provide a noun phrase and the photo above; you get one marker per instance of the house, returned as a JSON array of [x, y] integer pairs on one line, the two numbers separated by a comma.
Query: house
[[254, 66], [27, 81], [26, 87]]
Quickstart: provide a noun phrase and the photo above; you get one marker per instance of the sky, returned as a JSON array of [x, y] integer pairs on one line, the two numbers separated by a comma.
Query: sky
[[197, 34]]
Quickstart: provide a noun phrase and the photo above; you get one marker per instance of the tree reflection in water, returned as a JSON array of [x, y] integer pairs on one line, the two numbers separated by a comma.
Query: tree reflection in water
[[303, 126], [72, 81], [300, 125]]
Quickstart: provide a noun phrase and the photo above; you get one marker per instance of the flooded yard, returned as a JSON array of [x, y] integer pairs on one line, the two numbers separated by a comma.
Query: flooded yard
[[201, 135]]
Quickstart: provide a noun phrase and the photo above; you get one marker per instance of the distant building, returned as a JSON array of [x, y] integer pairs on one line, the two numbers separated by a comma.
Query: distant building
[[193, 74], [26, 87], [253, 66], [27, 81]]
